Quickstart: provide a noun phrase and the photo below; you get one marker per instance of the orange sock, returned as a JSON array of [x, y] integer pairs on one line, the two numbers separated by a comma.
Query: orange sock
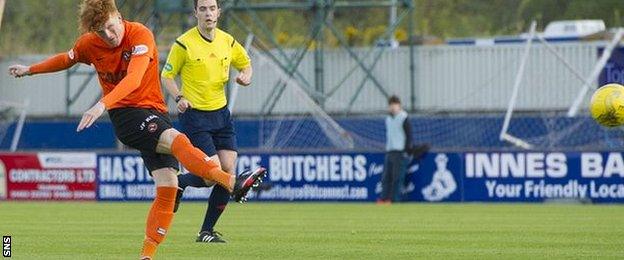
[[198, 163], [158, 220]]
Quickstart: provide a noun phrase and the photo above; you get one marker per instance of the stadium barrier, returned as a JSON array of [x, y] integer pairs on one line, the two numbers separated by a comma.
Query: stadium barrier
[[456, 133], [438, 177]]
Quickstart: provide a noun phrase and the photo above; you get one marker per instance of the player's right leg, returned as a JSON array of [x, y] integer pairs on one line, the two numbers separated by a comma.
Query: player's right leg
[[193, 159], [197, 162], [202, 139], [189, 179]]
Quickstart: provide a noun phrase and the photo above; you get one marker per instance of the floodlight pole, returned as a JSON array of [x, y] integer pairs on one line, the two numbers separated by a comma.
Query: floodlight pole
[[412, 52], [319, 52]]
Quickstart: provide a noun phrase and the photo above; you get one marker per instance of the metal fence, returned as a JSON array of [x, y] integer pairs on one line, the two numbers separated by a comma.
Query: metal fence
[[448, 78]]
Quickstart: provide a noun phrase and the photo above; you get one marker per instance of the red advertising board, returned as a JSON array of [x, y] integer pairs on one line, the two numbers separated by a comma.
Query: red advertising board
[[48, 176]]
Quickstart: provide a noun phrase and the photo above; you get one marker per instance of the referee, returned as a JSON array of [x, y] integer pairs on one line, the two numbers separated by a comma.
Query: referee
[[202, 57]]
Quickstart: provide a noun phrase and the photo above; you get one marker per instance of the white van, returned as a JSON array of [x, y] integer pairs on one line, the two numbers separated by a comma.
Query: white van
[[573, 28]]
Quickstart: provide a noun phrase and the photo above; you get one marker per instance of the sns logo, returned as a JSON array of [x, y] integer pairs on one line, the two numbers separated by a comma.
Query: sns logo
[[442, 183], [6, 246]]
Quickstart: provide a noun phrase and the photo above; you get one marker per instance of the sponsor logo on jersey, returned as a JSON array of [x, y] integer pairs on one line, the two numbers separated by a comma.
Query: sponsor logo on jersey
[[139, 49], [152, 127], [126, 55], [71, 54]]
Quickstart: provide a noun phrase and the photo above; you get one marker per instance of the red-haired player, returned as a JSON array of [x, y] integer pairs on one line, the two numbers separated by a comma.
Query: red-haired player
[[125, 57]]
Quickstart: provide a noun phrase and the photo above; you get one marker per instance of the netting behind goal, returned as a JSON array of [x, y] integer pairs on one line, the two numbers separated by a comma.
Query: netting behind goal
[[12, 117], [548, 108], [462, 93], [289, 115]]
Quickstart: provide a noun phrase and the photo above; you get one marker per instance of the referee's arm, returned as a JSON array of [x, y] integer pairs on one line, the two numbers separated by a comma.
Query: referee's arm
[[242, 63], [175, 61]]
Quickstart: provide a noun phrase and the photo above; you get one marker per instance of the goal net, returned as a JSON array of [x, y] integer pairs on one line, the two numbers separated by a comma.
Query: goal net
[[463, 99], [548, 107], [12, 117], [289, 114]]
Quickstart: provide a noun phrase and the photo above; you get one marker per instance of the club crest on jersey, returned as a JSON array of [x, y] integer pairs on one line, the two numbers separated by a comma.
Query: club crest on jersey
[[152, 127], [139, 49], [126, 55]]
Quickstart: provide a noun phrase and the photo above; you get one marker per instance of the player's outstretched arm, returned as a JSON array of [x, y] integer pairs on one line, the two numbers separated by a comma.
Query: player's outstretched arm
[[89, 117], [19, 70], [136, 70], [132, 81], [61, 61]]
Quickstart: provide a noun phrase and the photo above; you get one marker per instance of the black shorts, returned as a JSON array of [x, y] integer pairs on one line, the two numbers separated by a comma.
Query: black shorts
[[140, 128], [210, 131]]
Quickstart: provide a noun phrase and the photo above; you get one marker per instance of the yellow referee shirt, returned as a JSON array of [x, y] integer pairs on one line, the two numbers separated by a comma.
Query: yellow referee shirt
[[204, 66]]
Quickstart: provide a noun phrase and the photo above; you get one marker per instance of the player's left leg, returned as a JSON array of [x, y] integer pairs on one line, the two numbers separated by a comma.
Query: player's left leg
[[161, 213], [139, 128]]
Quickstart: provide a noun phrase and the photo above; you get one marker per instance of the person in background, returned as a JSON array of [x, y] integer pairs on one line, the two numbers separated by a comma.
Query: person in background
[[398, 144]]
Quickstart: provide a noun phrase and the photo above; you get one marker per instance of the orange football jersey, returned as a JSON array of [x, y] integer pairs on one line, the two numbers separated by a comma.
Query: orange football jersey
[[111, 65]]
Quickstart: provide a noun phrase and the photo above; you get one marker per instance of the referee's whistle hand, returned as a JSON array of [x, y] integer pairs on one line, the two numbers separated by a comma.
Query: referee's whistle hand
[[243, 79], [183, 105]]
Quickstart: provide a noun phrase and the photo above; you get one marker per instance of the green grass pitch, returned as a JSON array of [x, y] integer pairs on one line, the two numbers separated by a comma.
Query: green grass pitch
[[321, 230]]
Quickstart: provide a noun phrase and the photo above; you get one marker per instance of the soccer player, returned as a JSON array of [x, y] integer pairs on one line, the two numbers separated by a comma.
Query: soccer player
[[202, 57], [125, 57]]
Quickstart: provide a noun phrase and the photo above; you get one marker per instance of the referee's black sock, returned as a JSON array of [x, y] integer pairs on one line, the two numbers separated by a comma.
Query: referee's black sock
[[187, 179], [218, 200]]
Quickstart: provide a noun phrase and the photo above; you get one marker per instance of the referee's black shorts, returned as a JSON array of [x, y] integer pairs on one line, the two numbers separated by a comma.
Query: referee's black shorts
[[210, 131], [140, 128]]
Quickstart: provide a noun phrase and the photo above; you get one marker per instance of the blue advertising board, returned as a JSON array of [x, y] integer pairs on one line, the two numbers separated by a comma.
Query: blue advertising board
[[521, 177], [613, 71], [317, 176], [123, 177], [438, 177], [537, 176]]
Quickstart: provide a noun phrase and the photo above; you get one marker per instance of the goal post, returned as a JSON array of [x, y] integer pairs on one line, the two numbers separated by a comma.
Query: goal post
[[12, 113], [504, 135], [538, 116], [595, 73]]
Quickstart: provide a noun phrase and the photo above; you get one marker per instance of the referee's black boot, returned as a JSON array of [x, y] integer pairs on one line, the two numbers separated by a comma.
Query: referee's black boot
[[209, 237]]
